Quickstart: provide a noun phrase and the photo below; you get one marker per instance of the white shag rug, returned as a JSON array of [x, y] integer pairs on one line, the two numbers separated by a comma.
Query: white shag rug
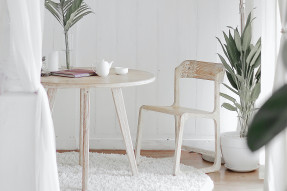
[[112, 172]]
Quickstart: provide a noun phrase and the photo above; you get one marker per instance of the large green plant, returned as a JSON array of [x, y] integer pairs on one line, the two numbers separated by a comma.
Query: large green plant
[[243, 70], [68, 13]]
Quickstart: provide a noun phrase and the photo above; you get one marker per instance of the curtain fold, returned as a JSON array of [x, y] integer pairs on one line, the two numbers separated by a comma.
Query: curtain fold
[[24, 42], [276, 150]]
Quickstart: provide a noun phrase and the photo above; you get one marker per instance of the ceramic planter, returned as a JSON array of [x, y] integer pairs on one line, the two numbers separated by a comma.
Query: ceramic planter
[[236, 154]]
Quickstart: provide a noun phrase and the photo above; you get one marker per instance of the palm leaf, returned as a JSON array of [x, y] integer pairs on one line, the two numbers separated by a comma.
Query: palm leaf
[[54, 9], [66, 5], [77, 14], [72, 9], [79, 17]]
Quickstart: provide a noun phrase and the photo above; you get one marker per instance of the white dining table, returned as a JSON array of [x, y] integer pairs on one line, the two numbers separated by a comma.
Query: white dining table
[[115, 83]]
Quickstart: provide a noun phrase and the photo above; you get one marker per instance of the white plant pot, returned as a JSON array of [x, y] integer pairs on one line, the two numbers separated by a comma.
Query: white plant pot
[[236, 154]]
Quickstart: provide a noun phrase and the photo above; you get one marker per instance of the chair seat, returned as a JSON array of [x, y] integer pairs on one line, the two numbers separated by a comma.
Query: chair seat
[[173, 110]]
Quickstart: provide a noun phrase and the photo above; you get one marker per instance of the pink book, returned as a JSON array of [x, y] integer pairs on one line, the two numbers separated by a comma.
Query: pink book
[[74, 73]]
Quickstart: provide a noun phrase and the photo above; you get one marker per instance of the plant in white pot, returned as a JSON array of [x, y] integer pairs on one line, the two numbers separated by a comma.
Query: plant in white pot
[[68, 13], [243, 70]]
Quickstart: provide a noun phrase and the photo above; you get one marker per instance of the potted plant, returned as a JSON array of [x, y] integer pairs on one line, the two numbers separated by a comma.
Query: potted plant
[[68, 13], [243, 70]]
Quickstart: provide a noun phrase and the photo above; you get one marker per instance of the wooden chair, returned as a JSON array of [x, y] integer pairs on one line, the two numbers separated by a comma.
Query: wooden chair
[[198, 70]]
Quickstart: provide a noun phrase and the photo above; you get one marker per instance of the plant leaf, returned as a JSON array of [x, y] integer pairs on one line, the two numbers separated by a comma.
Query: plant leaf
[[234, 91], [269, 121], [237, 40], [248, 20], [230, 50], [228, 97], [229, 107], [227, 67], [75, 12], [256, 91], [55, 10], [224, 49], [81, 12], [253, 51], [72, 9], [231, 80], [258, 74], [246, 37], [238, 106], [256, 56]]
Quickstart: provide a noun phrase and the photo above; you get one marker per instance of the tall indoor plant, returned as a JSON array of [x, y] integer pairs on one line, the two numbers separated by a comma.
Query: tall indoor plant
[[68, 13], [243, 70]]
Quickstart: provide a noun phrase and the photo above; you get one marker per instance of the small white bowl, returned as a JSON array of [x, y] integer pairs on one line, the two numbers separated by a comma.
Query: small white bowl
[[121, 70]]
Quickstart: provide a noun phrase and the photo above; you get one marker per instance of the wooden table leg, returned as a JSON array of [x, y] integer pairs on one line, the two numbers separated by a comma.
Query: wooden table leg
[[84, 143], [123, 120], [81, 126], [51, 92]]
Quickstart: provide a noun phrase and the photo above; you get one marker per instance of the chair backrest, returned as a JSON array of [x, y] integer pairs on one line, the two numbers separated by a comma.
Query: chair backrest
[[199, 70]]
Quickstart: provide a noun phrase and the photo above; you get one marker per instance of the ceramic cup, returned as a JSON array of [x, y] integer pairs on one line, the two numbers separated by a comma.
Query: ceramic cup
[[53, 61], [121, 70]]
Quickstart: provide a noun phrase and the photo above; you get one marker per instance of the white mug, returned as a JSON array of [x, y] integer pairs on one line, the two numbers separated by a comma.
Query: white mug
[[53, 61]]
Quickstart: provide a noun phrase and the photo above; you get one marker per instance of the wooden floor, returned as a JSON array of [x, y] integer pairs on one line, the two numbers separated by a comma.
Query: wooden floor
[[224, 180]]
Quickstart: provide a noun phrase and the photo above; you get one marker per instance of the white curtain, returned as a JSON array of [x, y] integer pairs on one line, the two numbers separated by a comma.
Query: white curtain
[[20, 65], [276, 151]]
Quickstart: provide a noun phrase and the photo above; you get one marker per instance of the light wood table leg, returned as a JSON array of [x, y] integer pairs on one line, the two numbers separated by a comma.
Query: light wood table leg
[[84, 143], [82, 91], [123, 120], [51, 92]]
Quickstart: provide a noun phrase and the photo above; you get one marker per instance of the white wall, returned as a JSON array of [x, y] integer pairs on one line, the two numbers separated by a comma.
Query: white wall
[[152, 35]]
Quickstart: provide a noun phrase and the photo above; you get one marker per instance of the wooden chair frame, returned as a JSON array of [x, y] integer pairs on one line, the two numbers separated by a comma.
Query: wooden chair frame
[[198, 70]]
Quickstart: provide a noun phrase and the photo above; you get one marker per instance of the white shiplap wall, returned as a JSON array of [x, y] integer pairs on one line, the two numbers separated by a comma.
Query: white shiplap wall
[[152, 35]]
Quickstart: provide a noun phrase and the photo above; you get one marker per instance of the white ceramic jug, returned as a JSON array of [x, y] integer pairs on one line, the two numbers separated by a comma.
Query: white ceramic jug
[[103, 68]]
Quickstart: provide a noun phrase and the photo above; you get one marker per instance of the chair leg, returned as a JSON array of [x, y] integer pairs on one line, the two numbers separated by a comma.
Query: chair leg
[[176, 119], [177, 153], [217, 161], [139, 136], [217, 157]]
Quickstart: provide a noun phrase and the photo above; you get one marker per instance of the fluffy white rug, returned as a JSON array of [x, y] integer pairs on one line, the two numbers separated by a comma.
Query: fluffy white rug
[[112, 172]]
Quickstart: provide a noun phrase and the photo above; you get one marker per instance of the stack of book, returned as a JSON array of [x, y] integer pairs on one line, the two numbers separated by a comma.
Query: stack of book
[[74, 73]]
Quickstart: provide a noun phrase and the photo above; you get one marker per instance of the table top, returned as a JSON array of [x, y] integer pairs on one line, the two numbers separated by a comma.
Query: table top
[[133, 78]]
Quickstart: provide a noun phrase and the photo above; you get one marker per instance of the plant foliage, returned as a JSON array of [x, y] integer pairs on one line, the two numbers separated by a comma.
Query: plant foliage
[[243, 69], [269, 121], [68, 13]]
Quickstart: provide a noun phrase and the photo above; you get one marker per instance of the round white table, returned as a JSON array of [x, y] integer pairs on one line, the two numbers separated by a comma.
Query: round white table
[[116, 83]]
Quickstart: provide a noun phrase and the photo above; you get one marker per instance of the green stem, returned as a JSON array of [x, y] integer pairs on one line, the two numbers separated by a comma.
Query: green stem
[[67, 51]]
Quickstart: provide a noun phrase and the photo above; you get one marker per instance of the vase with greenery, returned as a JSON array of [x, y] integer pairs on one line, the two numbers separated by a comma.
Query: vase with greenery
[[243, 69], [68, 13]]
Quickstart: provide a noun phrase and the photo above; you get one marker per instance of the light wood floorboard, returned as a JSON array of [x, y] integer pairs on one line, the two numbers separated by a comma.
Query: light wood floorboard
[[224, 180]]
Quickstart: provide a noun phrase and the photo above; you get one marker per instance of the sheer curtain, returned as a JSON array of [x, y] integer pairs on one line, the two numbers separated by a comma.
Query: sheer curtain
[[20, 65], [276, 151]]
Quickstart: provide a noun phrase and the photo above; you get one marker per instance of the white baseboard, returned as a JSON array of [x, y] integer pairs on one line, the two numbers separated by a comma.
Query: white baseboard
[[118, 144]]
